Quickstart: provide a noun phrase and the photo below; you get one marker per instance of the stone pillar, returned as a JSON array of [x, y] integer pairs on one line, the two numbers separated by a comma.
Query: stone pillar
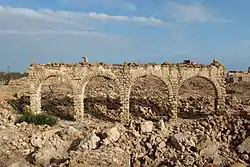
[[78, 106], [174, 99], [35, 103], [220, 105], [35, 96], [174, 108], [124, 116]]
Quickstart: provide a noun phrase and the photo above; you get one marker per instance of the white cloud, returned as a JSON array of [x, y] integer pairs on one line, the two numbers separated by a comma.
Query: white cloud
[[24, 19], [194, 13], [44, 35], [107, 4]]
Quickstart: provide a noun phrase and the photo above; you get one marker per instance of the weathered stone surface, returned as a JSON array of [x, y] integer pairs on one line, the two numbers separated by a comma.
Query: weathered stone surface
[[72, 131], [112, 135], [20, 163], [147, 126], [178, 139], [238, 165], [43, 156], [77, 75], [38, 140], [210, 151], [212, 165], [244, 146], [90, 142]]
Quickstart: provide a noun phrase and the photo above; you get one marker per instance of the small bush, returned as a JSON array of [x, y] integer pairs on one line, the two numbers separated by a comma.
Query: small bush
[[37, 119]]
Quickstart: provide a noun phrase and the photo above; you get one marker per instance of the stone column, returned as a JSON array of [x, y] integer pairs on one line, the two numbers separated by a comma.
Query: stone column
[[220, 105], [124, 116], [220, 99], [35, 96], [78, 106], [174, 108], [174, 99], [35, 103]]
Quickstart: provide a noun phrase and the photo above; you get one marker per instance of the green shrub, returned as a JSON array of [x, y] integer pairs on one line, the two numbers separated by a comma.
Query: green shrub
[[37, 119]]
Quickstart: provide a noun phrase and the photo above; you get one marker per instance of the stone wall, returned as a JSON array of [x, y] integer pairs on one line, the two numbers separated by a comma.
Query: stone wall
[[125, 75], [239, 76]]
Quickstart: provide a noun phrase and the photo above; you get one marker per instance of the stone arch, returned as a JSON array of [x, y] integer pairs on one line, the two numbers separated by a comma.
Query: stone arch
[[89, 77], [165, 81], [36, 85], [133, 80], [215, 84], [43, 76]]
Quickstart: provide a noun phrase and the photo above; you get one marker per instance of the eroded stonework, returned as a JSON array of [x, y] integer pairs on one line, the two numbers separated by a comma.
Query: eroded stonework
[[125, 75], [239, 76]]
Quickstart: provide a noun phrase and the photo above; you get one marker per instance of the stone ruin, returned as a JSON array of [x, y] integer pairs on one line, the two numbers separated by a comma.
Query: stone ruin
[[125, 75], [239, 76]]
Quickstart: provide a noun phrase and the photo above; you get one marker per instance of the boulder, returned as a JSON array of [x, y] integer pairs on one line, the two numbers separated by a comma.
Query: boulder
[[244, 146], [38, 140], [90, 142], [210, 151], [71, 131], [111, 135], [147, 127], [43, 156], [178, 139]]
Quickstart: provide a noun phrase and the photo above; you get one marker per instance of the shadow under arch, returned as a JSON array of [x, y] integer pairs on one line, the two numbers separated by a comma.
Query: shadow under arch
[[90, 103], [58, 100], [156, 109], [195, 106]]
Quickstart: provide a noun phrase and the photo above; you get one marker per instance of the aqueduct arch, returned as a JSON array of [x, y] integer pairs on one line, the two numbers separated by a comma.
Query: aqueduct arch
[[125, 75], [36, 82], [136, 76]]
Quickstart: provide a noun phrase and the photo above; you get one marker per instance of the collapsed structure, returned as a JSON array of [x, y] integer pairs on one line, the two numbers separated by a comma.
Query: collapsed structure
[[239, 76], [125, 75]]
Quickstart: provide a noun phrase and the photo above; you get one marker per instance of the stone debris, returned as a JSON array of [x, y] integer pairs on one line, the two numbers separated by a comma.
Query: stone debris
[[199, 137], [111, 135], [244, 147], [147, 127]]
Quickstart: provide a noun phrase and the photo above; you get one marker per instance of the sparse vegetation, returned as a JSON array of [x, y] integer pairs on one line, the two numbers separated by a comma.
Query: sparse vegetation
[[19, 103], [37, 119]]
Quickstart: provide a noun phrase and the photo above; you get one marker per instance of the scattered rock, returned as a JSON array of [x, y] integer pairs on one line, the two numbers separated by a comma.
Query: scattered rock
[[111, 135], [72, 131], [90, 142], [210, 151], [147, 127], [244, 146], [38, 140], [178, 139]]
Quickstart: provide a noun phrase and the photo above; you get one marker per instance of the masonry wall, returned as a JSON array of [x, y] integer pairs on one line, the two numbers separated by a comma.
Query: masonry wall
[[125, 75], [239, 76]]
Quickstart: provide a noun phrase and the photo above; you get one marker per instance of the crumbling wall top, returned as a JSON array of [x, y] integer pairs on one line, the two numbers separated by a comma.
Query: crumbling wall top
[[85, 63]]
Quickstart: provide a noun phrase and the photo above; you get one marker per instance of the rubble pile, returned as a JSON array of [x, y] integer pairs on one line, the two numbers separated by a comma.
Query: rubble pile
[[211, 140], [149, 99], [198, 137], [195, 107]]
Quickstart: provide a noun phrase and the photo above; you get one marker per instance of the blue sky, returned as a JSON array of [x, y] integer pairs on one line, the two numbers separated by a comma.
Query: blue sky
[[114, 31]]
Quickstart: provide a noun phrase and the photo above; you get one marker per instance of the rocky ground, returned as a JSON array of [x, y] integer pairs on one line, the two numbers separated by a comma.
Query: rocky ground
[[198, 138]]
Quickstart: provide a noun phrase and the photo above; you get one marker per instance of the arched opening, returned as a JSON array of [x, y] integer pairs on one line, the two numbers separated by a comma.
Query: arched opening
[[197, 98], [57, 97], [149, 99], [101, 99]]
